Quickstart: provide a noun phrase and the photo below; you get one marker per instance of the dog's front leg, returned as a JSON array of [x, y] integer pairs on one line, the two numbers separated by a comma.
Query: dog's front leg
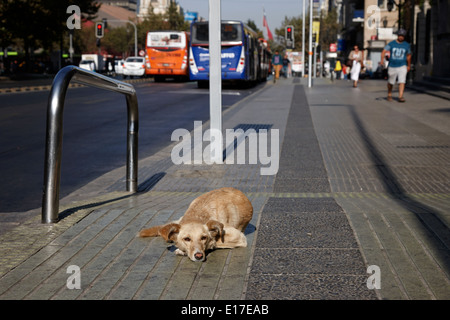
[[180, 252]]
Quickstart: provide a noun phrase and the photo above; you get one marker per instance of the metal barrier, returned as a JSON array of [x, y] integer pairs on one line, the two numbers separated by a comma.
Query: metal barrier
[[52, 170]]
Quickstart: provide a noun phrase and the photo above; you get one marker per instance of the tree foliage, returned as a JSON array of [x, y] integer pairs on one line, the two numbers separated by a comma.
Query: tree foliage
[[255, 28], [120, 40], [32, 24], [38, 22], [329, 29]]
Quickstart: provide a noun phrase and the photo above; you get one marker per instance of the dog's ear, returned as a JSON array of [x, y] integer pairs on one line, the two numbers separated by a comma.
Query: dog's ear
[[170, 231], [215, 228]]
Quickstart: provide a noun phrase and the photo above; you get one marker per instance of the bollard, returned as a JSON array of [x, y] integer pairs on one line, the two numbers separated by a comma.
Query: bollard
[[55, 108]]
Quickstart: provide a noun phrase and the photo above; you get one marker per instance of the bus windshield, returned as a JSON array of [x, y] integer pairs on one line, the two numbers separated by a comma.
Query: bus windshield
[[230, 33], [166, 39]]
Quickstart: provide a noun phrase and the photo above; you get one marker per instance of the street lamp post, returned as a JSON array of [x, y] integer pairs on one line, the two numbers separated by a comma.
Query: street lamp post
[[310, 45], [303, 38], [390, 7]]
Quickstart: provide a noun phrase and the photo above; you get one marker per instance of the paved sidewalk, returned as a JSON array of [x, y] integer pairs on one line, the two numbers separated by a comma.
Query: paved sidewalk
[[361, 182]]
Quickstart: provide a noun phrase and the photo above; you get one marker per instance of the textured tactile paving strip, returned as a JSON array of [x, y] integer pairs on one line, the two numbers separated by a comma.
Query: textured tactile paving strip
[[305, 247]]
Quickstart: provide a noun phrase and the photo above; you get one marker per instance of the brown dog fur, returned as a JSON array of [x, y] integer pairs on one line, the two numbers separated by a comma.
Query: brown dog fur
[[216, 219]]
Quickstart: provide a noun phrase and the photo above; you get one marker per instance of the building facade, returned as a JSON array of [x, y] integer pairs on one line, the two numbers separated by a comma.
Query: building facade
[[369, 24], [159, 7]]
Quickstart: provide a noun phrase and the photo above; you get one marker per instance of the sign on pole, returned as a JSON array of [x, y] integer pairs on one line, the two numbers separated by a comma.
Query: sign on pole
[[316, 31], [333, 47], [215, 81]]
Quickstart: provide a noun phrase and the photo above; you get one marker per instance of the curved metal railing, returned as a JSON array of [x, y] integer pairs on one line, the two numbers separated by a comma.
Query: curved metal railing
[[52, 170]]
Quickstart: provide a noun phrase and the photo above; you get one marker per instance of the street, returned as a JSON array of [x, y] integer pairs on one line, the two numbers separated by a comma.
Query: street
[[94, 140]]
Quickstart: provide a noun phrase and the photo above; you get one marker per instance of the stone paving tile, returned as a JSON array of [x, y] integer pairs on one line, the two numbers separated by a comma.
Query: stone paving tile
[[361, 192], [304, 242], [402, 157], [114, 264]]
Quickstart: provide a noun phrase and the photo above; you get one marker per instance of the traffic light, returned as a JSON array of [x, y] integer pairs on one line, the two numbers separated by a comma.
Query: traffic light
[[289, 35], [99, 29], [390, 5]]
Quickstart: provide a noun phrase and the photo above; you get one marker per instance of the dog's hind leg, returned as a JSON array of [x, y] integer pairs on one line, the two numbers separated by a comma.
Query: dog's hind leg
[[231, 238]]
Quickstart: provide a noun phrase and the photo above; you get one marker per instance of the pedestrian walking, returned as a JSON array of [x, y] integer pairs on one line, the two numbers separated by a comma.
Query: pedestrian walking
[[346, 72], [357, 58], [338, 69], [286, 65], [399, 63], [277, 62]]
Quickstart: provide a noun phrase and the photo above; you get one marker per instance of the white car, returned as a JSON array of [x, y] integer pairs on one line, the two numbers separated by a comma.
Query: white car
[[118, 66], [134, 66], [87, 65]]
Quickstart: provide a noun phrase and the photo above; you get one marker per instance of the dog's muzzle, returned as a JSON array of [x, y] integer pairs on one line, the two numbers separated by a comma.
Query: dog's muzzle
[[199, 256]]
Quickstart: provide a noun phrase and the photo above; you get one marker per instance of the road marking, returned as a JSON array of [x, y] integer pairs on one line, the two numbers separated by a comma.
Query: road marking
[[226, 93]]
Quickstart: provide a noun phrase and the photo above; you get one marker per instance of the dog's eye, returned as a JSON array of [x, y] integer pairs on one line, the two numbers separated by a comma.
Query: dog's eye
[[203, 238], [187, 239]]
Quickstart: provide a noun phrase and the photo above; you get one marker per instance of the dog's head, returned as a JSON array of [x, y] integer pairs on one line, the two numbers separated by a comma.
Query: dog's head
[[194, 239]]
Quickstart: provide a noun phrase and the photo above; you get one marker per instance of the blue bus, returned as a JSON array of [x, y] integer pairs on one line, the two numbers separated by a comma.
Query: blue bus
[[244, 57]]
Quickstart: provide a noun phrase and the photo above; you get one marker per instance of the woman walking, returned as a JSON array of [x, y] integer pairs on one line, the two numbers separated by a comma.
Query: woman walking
[[357, 58]]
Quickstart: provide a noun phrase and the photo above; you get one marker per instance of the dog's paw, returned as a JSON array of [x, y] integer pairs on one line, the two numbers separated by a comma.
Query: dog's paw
[[179, 252]]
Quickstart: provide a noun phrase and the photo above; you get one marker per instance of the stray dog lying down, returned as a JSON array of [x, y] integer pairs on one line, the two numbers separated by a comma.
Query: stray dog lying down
[[216, 219]]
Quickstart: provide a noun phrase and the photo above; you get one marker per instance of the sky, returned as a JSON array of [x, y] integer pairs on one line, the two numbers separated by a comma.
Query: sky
[[243, 10]]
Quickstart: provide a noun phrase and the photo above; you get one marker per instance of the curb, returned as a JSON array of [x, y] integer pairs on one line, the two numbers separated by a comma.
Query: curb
[[72, 85]]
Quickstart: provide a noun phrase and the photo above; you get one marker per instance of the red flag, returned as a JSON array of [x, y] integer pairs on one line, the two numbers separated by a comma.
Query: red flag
[[265, 24]]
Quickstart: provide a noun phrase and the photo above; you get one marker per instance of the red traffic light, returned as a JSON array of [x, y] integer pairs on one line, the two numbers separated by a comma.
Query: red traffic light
[[99, 33], [289, 35]]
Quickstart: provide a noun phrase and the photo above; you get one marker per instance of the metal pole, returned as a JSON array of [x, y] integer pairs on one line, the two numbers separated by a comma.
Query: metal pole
[[135, 39], [52, 169], [71, 45], [310, 64], [303, 38], [215, 78], [132, 143], [321, 64], [314, 60]]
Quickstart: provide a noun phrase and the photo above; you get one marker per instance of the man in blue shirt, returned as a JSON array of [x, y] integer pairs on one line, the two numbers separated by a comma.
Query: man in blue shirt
[[399, 63], [277, 63]]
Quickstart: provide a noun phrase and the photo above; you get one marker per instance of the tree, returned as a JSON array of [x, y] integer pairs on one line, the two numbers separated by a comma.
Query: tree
[[173, 19], [119, 41], [296, 22], [38, 22], [329, 28], [255, 28]]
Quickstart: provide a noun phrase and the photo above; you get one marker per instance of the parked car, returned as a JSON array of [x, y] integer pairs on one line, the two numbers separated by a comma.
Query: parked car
[[87, 65], [92, 62], [134, 66], [118, 66]]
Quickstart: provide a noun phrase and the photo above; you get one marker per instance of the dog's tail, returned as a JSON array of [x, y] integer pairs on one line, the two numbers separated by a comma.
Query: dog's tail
[[151, 232]]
